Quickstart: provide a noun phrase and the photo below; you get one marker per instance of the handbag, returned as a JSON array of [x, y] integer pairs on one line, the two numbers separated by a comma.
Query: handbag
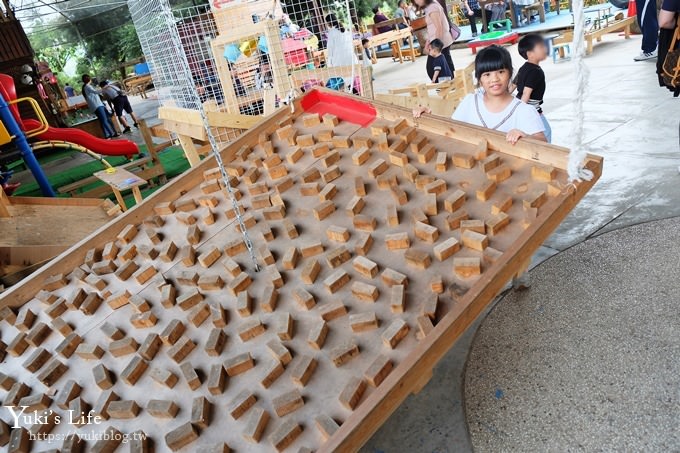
[[455, 31], [670, 70]]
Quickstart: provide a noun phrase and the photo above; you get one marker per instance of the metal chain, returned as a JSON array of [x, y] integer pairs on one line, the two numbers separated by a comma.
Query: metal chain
[[177, 43]]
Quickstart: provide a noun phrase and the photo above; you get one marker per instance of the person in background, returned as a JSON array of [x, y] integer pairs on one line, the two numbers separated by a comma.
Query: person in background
[[530, 80], [366, 57], [437, 67], [96, 106], [70, 92], [120, 103], [473, 11], [340, 47], [378, 17], [668, 16], [649, 24], [403, 10], [438, 27]]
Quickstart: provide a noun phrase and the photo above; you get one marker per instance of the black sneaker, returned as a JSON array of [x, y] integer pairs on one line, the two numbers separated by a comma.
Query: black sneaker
[[137, 125], [127, 130]]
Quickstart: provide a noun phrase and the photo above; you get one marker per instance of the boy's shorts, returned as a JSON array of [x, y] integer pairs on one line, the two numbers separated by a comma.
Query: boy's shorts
[[122, 103]]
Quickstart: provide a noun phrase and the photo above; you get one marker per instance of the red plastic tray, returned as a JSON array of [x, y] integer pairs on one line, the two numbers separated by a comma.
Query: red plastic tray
[[347, 109]]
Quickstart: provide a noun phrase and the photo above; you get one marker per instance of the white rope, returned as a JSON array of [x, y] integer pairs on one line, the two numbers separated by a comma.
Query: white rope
[[578, 153], [351, 47]]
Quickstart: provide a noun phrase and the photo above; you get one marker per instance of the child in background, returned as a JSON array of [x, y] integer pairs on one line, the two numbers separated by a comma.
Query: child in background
[[437, 68], [530, 78], [495, 108], [366, 58]]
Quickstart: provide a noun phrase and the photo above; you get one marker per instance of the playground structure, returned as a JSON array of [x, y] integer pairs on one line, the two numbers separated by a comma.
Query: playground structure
[[231, 66], [379, 241], [442, 98]]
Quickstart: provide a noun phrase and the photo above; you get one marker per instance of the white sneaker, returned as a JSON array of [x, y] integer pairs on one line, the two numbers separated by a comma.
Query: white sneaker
[[645, 56]]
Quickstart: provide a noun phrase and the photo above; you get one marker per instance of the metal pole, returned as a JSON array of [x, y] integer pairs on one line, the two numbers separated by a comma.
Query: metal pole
[[14, 130]]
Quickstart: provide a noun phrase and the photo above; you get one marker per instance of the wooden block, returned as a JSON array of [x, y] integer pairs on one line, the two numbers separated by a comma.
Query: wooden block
[[62, 326], [89, 351], [216, 379], [123, 409], [57, 308], [168, 252], [269, 298], [426, 153], [189, 299], [290, 229], [362, 322], [309, 189], [244, 304], [326, 425], [180, 350], [181, 436], [150, 346], [187, 255], [310, 271], [127, 234], [400, 197], [311, 249], [68, 345], [529, 217], [317, 335], [102, 377], [162, 408], [397, 241], [172, 332], [446, 249], [188, 204], [440, 163], [503, 203], [438, 187], [394, 333], [397, 298], [359, 187], [535, 200], [110, 251], [210, 282], [279, 351], [285, 434], [143, 320], [67, 393], [391, 277], [330, 159], [337, 233], [497, 223], [36, 360], [474, 240], [18, 345], [331, 174], [145, 273], [24, 321], [417, 258], [336, 281], [322, 148], [364, 291], [272, 373], [467, 267], [130, 251], [190, 375], [377, 168], [455, 201], [125, 346], [378, 370], [15, 394], [477, 226], [193, 237], [427, 233], [330, 120], [429, 306], [398, 126], [101, 405], [486, 191], [311, 119], [352, 392], [199, 314], [303, 370], [363, 244], [305, 140], [18, 440], [209, 187], [337, 257], [285, 326], [303, 298], [398, 158], [543, 173], [324, 209], [38, 334], [164, 377], [265, 256], [104, 267], [361, 156], [499, 174], [256, 424], [490, 162], [365, 267], [287, 402], [250, 329], [274, 276], [235, 247], [491, 255], [463, 160], [240, 404], [342, 141], [6, 381], [328, 192], [332, 310], [201, 411], [554, 189]]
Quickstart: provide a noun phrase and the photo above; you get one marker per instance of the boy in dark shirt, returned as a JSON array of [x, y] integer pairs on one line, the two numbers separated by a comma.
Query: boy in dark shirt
[[437, 68], [530, 79]]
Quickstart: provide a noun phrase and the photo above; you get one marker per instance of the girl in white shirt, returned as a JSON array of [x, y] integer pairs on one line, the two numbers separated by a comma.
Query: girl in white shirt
[[495, 107]]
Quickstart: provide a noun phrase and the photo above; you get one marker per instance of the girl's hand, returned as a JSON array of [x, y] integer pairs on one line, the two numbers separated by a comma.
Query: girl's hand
[[514, 135], [418, 111], [470, 12]]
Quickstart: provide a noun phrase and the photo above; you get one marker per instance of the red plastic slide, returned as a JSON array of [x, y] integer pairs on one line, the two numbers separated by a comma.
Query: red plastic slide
[[82, 138]]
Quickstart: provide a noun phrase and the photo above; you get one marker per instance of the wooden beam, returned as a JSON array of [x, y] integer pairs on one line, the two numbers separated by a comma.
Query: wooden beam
[[4, 204], [189, 149]]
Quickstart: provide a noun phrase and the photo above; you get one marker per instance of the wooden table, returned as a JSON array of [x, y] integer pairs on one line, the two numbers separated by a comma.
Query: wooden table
[[120, 179], [623, 24]]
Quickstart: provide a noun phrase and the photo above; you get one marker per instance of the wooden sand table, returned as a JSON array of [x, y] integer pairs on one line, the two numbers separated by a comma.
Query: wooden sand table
[[378, 247]]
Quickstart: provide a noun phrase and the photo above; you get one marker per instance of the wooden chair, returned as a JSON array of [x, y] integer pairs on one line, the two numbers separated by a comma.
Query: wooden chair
[[538, 6], [561, 45]]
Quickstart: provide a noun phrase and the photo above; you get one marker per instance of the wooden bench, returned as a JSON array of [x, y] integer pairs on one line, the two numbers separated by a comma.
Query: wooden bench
[[621, 24], [387, 38]]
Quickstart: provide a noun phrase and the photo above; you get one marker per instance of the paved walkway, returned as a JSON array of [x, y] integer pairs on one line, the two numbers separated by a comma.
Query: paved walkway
[[634, 125], [587, 358]]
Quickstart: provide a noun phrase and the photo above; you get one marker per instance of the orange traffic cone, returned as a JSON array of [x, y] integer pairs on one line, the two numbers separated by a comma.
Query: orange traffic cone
[[632, 8]]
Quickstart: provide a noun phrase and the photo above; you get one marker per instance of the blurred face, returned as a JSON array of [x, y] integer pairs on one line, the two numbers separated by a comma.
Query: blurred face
[[420, 3], [434, 52], [539, 53], [495, 83]]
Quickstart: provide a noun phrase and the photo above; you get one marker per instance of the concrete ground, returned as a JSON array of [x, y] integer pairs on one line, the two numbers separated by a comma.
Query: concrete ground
[[632, 123]]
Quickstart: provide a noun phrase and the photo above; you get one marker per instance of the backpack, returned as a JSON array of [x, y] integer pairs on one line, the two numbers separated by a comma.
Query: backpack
[[669, 70]]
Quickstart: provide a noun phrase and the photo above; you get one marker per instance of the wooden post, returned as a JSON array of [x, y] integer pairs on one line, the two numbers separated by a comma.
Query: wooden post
[[189, 149], [282, 83], [4, 204]]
